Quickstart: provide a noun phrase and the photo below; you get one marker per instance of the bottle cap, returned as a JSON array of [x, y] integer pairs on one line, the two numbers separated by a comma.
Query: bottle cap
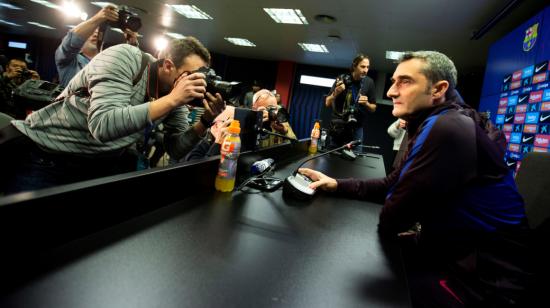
[[234, 127], [316, 126]]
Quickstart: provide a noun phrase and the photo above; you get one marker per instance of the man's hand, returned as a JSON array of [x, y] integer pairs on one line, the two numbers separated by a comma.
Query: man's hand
[[339, 88], [34, 75], [187, 88], [319, 180], [108, 13], [131, 37], [213, 106], [363, 100], [402, 124], [279, 127]]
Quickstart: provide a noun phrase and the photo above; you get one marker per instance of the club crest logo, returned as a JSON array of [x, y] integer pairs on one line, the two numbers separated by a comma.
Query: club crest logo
[[530, 37]]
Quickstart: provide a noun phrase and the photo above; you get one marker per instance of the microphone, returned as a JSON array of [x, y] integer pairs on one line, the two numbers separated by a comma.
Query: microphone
[[261, 165], [265, 131], [296, 185]]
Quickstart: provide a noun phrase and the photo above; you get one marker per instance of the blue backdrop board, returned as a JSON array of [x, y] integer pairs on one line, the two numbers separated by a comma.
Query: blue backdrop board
[[516, 88]]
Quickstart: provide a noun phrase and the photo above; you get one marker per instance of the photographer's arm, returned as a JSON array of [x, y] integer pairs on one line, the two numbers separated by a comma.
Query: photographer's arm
[[337, 88], [86, 29]]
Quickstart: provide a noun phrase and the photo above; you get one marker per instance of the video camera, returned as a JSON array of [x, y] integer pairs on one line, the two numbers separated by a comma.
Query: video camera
[[126, 20], [229, 90]]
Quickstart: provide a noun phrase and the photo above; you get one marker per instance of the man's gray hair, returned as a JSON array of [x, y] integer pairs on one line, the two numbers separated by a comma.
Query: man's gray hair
[[438, 66]]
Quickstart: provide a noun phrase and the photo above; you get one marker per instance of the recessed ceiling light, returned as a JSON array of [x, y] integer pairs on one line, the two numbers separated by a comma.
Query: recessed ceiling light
[[313, 47], [40, 25], [286, 16], [9, 6], [240, 41], [393, 55], [103, 4], [9, 23], [175, 35], [47, 4], [189, 11]]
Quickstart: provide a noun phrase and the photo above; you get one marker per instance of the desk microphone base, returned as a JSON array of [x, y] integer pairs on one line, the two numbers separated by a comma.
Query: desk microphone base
[[297, 187]]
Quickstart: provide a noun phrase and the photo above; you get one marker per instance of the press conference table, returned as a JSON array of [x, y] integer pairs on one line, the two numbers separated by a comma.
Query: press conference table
[[238, 249]]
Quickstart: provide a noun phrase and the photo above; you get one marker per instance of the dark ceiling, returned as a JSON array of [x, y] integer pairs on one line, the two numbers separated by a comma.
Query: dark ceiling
[[371, 27]]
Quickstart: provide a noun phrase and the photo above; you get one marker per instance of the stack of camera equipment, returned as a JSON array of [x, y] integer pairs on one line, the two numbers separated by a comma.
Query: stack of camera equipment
[[34, 94]]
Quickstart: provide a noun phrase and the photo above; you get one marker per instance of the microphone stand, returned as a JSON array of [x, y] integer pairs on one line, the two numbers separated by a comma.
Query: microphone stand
[[296, 185], [265, 131], [345, 146]]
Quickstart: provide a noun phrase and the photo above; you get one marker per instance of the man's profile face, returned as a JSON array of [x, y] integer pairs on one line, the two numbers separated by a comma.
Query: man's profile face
[[360, 71], [410, 90], [15, 67], [90, 46]]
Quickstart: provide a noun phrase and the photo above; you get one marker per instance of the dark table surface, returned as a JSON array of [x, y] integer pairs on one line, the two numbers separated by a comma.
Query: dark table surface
[[230, 250]]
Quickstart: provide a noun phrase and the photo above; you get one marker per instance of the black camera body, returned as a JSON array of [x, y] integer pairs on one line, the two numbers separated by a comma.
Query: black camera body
[[229, 90], [25, 74], [126, 20], [276, 114]]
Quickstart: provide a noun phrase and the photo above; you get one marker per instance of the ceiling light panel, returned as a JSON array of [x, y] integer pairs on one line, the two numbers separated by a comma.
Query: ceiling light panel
[[240, 41], [287, 16], [175, 35], [9, 6], [40, 25], [393, 55], [313, 47], [9, 23], [189, 11], [47, 4]]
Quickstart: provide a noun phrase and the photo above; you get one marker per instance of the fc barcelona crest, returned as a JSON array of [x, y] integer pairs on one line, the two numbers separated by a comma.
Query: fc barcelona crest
[[530, 37]]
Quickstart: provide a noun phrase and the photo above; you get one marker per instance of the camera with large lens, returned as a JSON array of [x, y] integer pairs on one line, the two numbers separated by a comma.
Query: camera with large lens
[[276, 114], [229, 90], [347, 80], [126, 20]]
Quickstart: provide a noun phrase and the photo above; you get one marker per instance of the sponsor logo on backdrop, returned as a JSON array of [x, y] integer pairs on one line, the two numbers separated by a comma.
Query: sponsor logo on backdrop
[[545, 106], [519, 118], [530, 128], [530, 37], [546, 95], [533, 107], [528, 139], [514, 156], [532, 117], [516, 128], [508, 78], [515, 84], [521, 108], [507, 127], [501, 110], [544, 117], [542, 141], [511, 109], [541, 67], [544, 129], [515, 138], [513, 100], [535, 97], [515, 76], [507, 135], [539, 77], [503, 102], [499, 119], [513, 147], [541, 150]]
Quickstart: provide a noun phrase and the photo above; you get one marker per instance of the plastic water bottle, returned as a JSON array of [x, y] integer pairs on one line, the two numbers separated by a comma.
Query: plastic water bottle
[[260, 166], [314, 138], [323, 141], [231, 146]]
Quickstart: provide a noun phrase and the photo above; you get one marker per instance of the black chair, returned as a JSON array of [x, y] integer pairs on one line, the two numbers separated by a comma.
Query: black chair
[[533, 182]]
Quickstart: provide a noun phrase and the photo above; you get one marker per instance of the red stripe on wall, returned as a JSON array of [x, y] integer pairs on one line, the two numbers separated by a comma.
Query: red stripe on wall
[[283, 84]]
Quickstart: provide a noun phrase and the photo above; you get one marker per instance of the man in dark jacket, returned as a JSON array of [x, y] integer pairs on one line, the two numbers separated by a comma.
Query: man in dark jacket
[[454, 184]]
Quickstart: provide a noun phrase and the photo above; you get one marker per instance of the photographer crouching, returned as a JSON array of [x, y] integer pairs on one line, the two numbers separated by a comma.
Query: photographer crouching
[[16, 73], [351, 97], [118, 98]]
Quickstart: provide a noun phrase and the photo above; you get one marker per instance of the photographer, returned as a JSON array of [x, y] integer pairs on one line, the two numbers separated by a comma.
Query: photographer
[[351, 97], [79, 46], [16, 73], [263, 100], [104, 110]]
